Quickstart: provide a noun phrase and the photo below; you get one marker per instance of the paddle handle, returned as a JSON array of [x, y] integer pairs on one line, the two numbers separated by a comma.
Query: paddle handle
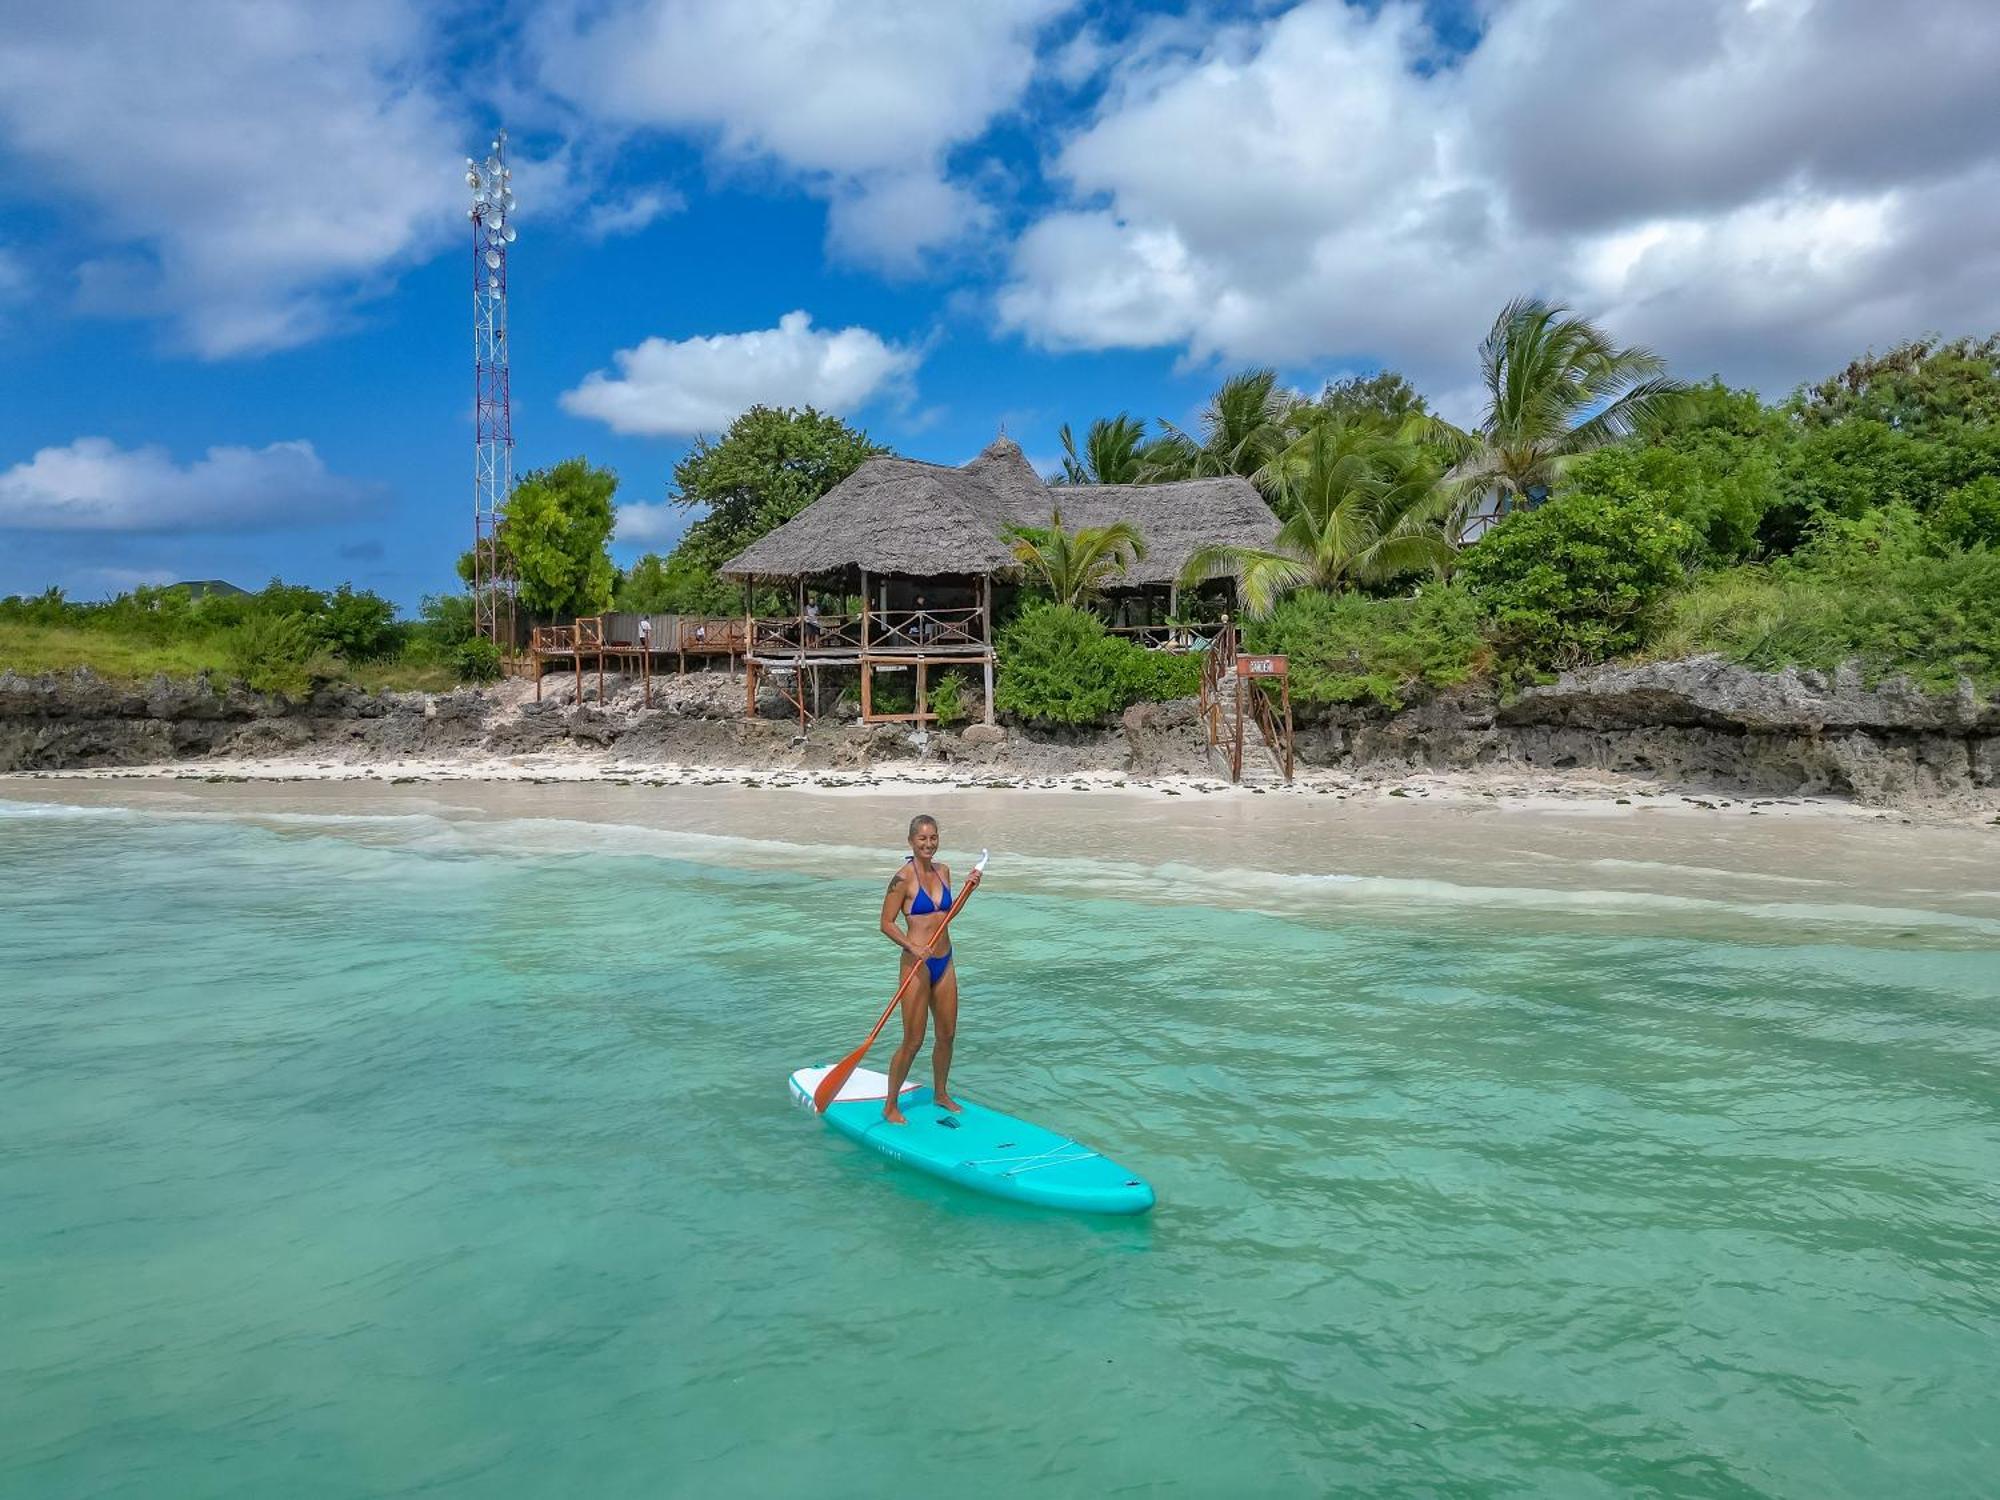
[[837, 1076]]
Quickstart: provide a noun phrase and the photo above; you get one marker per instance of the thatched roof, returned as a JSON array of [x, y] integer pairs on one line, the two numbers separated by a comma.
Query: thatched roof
[[896, 515]]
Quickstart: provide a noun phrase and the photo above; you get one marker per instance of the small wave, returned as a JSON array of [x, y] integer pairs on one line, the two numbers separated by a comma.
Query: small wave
[[1292, 893]]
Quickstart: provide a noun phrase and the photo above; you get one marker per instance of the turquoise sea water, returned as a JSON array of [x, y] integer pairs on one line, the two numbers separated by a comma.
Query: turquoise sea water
[[375, 1156]]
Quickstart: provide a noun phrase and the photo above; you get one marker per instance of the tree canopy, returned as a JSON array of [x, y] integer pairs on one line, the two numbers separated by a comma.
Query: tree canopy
[[559, 520], [771, 464]]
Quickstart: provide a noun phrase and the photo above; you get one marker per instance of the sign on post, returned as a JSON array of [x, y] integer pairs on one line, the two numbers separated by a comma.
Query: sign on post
[[1260, 666]]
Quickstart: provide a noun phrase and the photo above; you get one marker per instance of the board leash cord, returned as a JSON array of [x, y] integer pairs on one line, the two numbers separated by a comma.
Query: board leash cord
[[1034, 1163]]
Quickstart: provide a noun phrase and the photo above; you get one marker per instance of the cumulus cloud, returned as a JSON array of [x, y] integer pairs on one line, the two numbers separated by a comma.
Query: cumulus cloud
[[644, 524], [94, 485], [675, 388], [863, 99], [274, 163], [1762, 188], [632, 213]]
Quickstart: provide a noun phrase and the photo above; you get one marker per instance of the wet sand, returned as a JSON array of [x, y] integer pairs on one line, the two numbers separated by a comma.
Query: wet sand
[[1782, 868]]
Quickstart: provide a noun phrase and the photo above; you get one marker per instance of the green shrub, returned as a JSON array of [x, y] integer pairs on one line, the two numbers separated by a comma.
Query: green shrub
[[1719, 485], [946, 698], [1576, 580], [1970, 515], [892, 692], [1896, 610], [1058, 666], [1156, 676], [476, 660], [358, 626], [276, 653], [1344, 648]]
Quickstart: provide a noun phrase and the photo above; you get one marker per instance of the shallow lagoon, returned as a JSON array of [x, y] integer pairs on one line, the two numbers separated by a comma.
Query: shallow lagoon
[[422, 1146]]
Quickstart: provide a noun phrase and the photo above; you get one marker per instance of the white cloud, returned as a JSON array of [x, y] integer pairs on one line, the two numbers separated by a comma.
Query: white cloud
[[632, 213], [651, 524], [94, 485], [1762, 189], [864, 99], [276, 162], [668, 388]]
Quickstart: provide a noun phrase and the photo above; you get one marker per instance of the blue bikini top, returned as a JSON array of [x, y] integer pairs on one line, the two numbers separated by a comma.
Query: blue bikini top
[[923, 906]]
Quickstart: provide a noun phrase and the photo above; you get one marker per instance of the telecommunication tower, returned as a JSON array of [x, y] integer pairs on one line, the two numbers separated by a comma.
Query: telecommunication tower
[[492, 214]]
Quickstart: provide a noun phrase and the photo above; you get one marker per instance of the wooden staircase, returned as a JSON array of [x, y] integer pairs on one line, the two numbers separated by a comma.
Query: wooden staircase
[[1248, 737]]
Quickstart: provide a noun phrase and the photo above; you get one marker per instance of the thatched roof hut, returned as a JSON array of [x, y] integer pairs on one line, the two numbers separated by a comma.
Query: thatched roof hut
[[899, 516]]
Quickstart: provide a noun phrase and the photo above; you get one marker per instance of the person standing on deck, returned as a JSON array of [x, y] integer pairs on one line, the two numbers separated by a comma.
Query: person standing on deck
[[646, 633], [920, 893]]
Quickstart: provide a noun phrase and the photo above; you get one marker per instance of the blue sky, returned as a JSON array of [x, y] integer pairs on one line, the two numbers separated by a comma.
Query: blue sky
[[234, 311]]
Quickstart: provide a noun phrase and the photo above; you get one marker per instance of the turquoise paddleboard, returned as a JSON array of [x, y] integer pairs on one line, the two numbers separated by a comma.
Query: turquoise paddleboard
[[979, 1148]]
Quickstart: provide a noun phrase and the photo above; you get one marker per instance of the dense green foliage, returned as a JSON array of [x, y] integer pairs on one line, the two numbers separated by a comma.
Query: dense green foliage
[[1879, 591], [675, 584], [1576, 580], [946, 698], [280, 639], [559, 521], [1640, 515], [1060, 668], [1345, 648]]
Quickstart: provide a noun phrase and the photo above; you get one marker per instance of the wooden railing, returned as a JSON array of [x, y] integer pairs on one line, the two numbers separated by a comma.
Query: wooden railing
[[1169, 637], [586, 634], [717, 637], [809, 633], [1228, 677], [1218, 669], [917, 629]]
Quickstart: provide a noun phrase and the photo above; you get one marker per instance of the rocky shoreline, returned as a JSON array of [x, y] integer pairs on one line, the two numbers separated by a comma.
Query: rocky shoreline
[[1700, 726]]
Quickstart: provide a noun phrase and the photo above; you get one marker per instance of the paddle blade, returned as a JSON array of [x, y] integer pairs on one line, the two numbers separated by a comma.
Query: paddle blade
[[837, 1076]]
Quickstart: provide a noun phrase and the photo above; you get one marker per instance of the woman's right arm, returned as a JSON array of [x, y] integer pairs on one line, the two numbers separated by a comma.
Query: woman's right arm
[[892, 908]]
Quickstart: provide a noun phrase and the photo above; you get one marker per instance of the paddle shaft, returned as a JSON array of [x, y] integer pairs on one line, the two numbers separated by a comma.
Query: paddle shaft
[[836, 1080]]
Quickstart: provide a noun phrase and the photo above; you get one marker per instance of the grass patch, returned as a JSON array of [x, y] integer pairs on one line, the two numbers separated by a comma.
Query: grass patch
[[63, 648]]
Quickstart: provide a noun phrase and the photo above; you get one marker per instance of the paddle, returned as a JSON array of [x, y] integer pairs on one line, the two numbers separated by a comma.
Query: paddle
[[836, 1078]]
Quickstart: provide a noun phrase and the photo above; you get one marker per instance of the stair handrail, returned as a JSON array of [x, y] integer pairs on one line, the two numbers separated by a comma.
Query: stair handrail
[[1267, 725], [1219, 665]]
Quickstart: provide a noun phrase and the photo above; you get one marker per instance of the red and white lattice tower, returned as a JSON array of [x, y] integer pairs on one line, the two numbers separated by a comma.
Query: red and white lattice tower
[[492, 214]]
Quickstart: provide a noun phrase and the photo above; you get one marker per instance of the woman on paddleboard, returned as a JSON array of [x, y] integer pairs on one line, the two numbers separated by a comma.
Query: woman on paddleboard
[[920, 893]]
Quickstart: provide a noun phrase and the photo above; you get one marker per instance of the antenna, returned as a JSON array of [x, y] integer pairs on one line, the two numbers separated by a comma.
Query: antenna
[[491, 182]]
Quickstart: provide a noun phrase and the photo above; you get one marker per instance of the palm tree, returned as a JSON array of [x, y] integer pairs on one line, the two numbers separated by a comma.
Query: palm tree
[[1111, 452], [1243, 427], [1076, 565], [1358, 507], [1556, 388]]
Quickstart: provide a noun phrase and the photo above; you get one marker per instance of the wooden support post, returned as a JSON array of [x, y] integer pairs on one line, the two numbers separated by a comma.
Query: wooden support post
[[986, 634], [646, 672], [600, 661], [576, 657], [867, 672], [864, 611], [921, 670], [1236, 752], [749, 631], [1285, 687], [538, 674]]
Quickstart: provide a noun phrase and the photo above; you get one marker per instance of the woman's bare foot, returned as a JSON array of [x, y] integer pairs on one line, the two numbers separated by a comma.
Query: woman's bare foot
[[895, 1116], [945, 1101]]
